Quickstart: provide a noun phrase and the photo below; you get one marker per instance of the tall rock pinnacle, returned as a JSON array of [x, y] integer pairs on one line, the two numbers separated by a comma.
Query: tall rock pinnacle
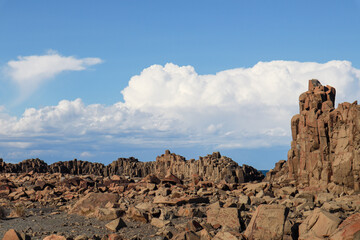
[[325, 146]]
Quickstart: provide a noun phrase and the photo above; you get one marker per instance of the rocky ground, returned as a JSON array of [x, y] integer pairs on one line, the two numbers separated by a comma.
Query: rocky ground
[[64, 206]]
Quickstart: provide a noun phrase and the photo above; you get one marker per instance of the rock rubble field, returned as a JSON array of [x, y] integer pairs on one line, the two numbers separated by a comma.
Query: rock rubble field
[[313, 195]]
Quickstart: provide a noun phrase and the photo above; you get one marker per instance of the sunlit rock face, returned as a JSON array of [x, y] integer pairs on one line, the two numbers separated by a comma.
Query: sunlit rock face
[[325, 144]]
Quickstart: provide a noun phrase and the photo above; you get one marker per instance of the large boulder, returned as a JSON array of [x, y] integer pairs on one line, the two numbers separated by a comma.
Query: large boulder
[[225, 217], [12, 235], [348, 229], [267, 223], [320, 224], [87, 205]]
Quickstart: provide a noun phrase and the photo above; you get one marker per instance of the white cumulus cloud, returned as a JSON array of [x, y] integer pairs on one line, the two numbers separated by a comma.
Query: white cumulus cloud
[[29, 72], [175, 106], [250, 107]]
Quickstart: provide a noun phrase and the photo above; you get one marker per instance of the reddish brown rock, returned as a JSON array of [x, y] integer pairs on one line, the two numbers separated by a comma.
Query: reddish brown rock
[[348, 229], [226, 217], [151, 178], [55, 237], [107, 213], [325, 147], [12, 235], [115, 236], [267, 222], [225, 236], [319, 224], [87, 205], [171, 178], [137, 215], [115, 225], [186, 236]]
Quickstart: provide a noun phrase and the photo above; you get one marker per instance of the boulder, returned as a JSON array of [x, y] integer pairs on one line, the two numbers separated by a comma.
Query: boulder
[[226, 217], [107, 213], [137, 215], [115, 225], [225, 236], [115, 236], [12, 235], [156, 222], [87, 205], [186, 236], [348, 229], [267, 222], [54, 237], [320, 224]]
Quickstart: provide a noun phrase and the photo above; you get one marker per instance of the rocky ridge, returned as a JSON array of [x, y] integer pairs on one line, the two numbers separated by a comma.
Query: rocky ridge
[[212, 167]]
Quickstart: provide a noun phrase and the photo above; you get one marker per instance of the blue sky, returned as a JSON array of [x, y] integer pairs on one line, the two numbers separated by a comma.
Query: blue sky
[[97, 80]]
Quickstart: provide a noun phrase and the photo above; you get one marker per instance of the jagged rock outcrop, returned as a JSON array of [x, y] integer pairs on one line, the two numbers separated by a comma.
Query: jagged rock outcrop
[[130, 167], [28, 165], [212, 167], [77, 167], [325, 147]]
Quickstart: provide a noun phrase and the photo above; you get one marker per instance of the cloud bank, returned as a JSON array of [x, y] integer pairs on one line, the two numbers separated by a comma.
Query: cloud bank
[[29, 72], [174, 106]]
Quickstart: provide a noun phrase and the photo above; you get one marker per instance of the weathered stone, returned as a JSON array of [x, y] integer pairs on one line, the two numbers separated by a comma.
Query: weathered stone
[[159, 223], [228, 217], [12, 235], [137, 215], [115, 225], [324, 197], [55, 237], [87, 205], [205, 235], [193, 225], [186, 236], [145, 206], [115, 236], [243, 199], [267, 222], [225, 236], [107, 213], [81, 237], [151, 178], [348, 229], [319, 224]]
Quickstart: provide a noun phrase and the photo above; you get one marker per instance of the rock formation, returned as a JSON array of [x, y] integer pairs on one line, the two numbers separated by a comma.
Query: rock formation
[[325, 147], [212, 167]]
